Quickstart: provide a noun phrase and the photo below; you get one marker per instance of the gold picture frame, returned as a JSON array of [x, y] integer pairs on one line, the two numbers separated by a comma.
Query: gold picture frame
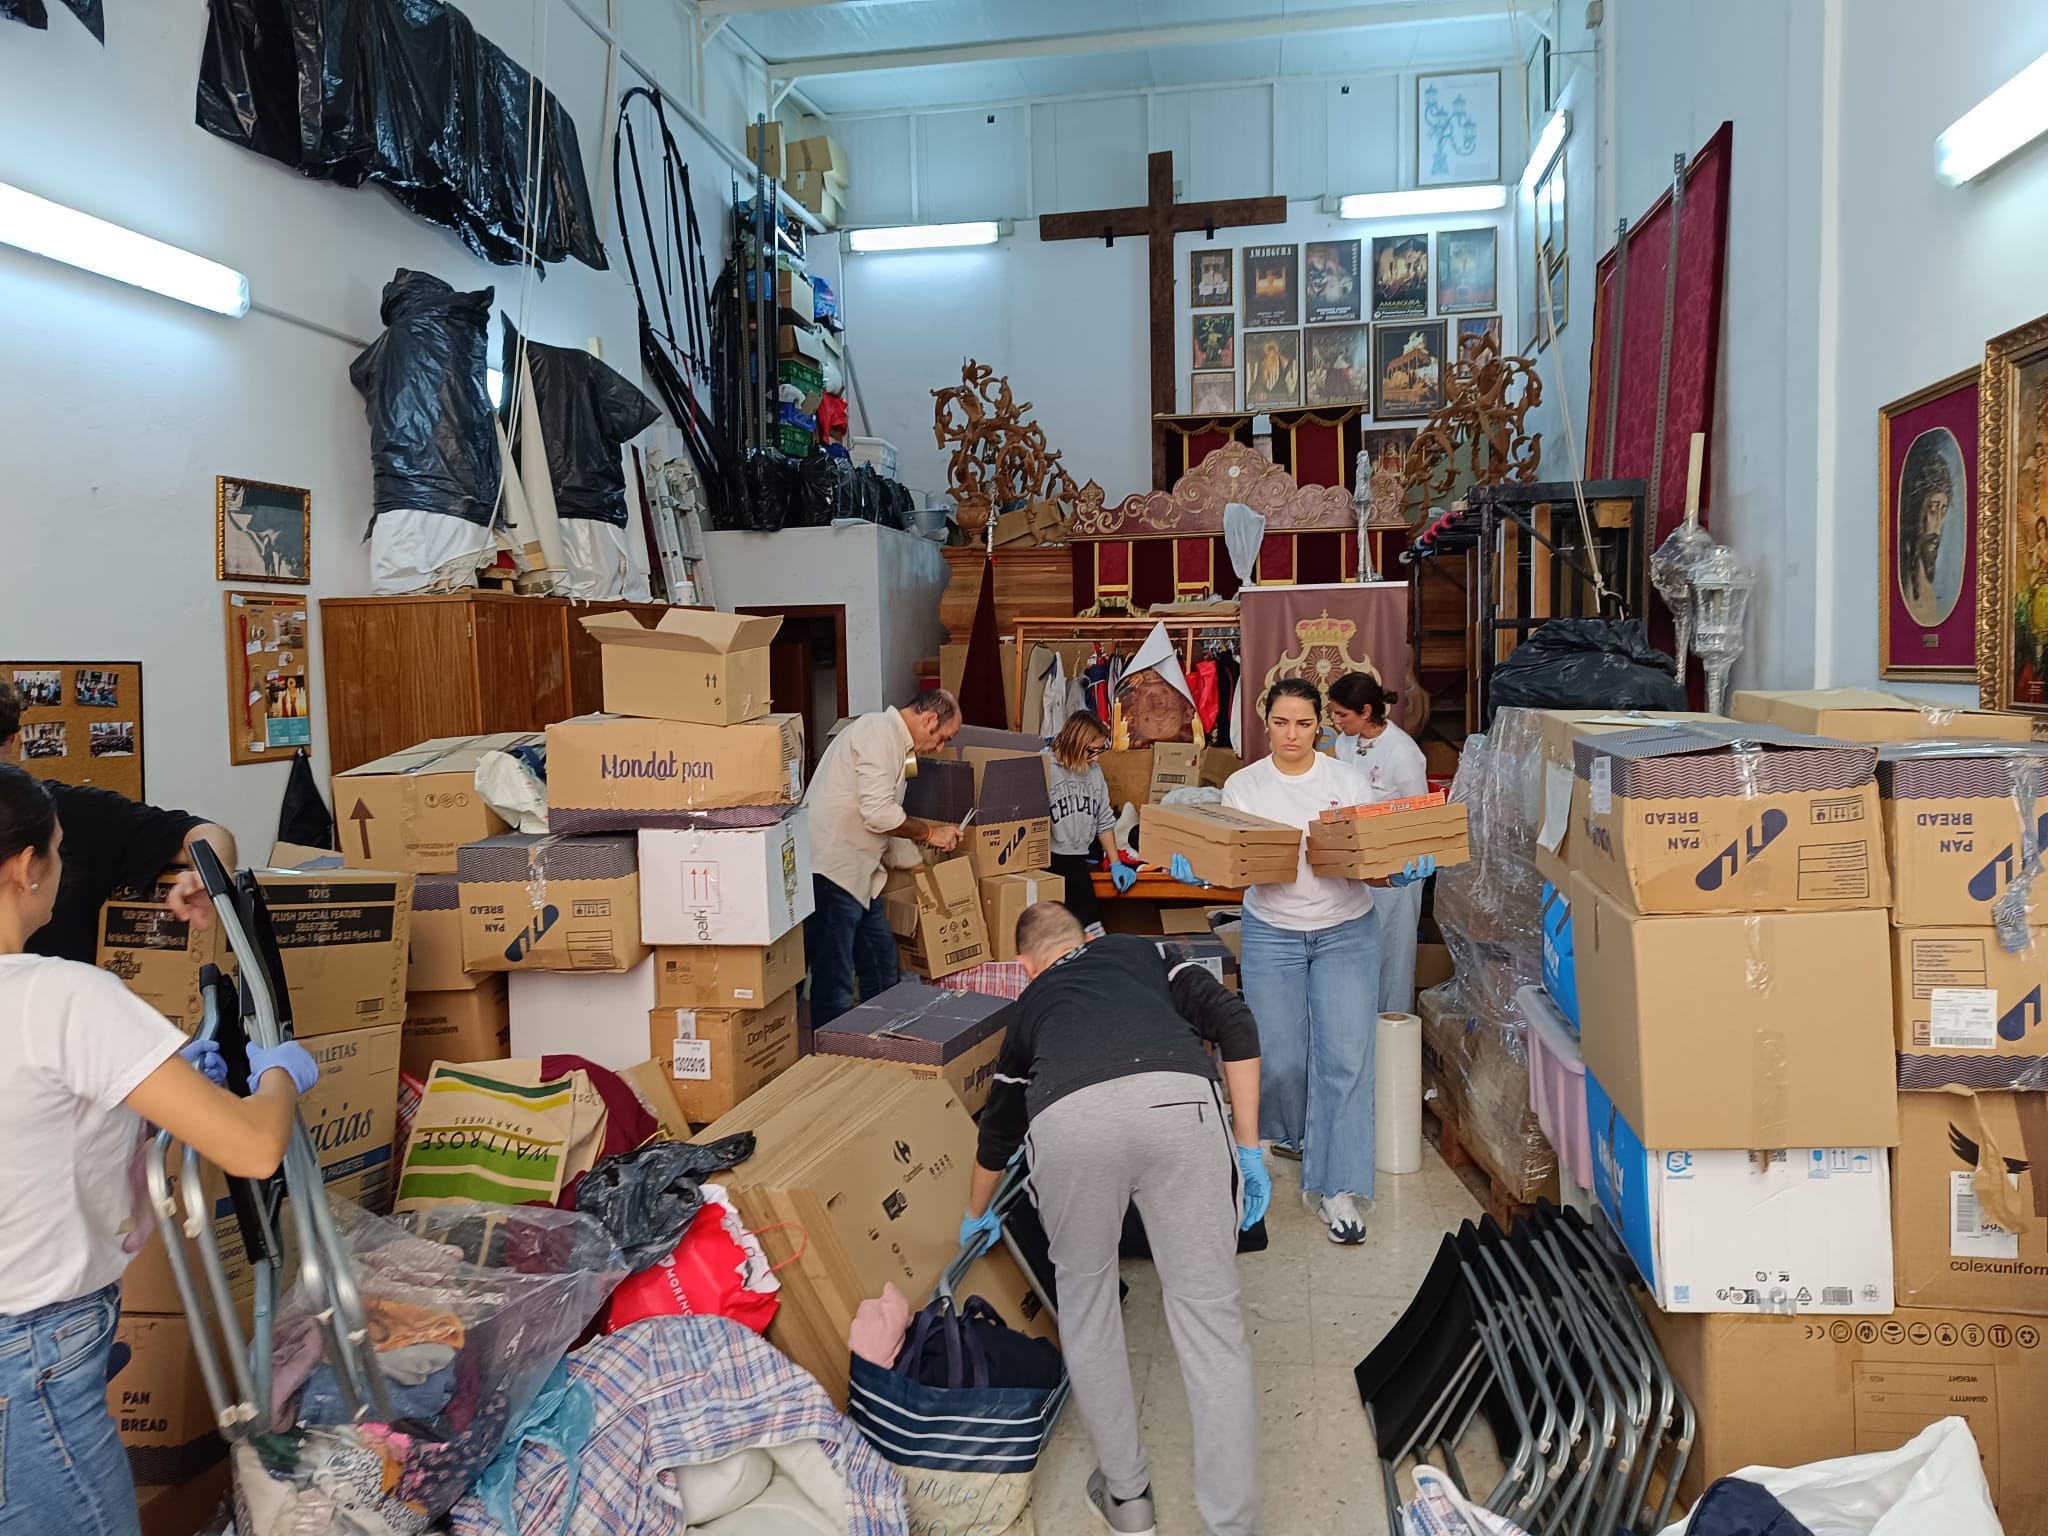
[[262, 531], [2012, 497]]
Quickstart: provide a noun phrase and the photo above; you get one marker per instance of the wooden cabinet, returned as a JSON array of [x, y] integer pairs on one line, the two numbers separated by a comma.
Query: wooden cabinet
[[402, 670]]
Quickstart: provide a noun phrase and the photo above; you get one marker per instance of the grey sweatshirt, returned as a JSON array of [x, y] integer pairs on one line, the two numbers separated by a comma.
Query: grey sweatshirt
[[1081, 811]]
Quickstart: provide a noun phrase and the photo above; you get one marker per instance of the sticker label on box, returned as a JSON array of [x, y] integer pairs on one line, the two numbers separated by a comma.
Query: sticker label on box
[[1601, 779], [1557, 805], [1970, 1236], [700, 887], [1965, 1019], [693, 1061]]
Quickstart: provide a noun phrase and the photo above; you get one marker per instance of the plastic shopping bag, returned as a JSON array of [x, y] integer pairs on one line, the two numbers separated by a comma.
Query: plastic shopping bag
[[1438, 1509], [718, 1267], [1932, 1483]]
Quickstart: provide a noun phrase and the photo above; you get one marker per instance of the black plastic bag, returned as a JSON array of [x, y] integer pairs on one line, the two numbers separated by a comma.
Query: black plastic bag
[[818, 479], [304, 818], [773, 487], [588, 410], [433, 444], [1587, 664], [33, 13], [648, 1197]]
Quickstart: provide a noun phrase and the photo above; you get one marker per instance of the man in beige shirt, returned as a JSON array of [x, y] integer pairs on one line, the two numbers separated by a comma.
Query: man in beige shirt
[[858, 832]]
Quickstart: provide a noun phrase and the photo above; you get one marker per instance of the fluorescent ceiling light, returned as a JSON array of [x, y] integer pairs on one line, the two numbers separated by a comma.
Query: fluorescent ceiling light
[[63, 234], [1425, 200], [1548, 143], [2004, 122], [923, 237]]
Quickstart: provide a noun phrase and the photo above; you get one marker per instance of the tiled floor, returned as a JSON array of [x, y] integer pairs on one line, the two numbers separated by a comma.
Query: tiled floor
[[1313, 1310]]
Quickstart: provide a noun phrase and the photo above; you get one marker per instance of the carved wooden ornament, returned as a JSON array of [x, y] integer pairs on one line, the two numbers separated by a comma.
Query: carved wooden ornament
[[1195, 504]]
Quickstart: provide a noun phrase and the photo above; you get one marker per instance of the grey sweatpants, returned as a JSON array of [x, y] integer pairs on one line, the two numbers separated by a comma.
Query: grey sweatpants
[[1160, 1139]]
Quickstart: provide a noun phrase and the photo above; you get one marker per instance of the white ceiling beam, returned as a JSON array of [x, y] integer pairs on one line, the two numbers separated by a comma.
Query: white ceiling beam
[[710, 8], [1406, 13]]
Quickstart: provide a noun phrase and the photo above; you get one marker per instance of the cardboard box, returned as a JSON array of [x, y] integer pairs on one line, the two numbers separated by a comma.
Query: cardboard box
[[1372, 847], [869, 1163], [1224, 846], [1712, 817], [939, 789], [345, 935], [714, 1058], [159, 956], [1970, 1193], [1713, 1033], [727, 975], [1805, 1229], [726, 885], [183, 1508], [413, 809], [934, 1031], [1175, 765], [823, 154], [472, 1025], [618, 773], [764, 148], [1128, 774], [1870, 714], [695, 665], [824, 197], [434, 945], [940, 905], [1969, 1013], [1029, 526], [650, 1083], [1952, 827], [1785, 1391], [1012, 827], [550, 903], [1003, 900], [158, 1402], [602, 1018], [352, 1114], [1557, 730], [1206, 950]]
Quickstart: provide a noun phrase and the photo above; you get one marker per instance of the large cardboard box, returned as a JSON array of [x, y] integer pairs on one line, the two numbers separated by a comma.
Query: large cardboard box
[[1870, 714], [726, 885], [609, 773], [352, 1115], [434, 959], [1557, 729], [1012, 827], [467, 1026], [1952, 827], [1128, 774], [1970, 1192], [158, 1402], [1804, 1229], [1713, 817], [602, 1018], [1372, 847], [936, 912], [413, 809], [714, 1058], [820, 153], [547, 903], [1003, 900], [344, 935], [159, 956], [1784, 1391], [939, 789], [1175, 765], [727, 975], [869, 1165], [1736, 1031], [764, 148], [1224, 846], [695, 665], [934, 1031], [1969, 1012]]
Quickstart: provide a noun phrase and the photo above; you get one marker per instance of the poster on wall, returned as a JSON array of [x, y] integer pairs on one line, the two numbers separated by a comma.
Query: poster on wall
[[1339, 365], [1209, 280], [1408, 369], [1927, 533], [1332, 280], [1466, 262], [81, 721], [1270, 294], [261, 532], [1483, 331], [1215, 341], [2012, 521], [1212, 394], [1400, 275], [1457, 128], [1272, 370], [270, 699]]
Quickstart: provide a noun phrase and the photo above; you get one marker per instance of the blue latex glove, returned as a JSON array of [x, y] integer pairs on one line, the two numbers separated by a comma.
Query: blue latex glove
[[204, 1055], [1258, 1185], [1122, 876], [1183, 871], [289, 1057], [1419, 868], [982, 1232]]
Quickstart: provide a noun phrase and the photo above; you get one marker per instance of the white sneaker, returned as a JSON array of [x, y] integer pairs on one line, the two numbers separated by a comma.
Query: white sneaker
[[1126, 1517], [1345, 1218]]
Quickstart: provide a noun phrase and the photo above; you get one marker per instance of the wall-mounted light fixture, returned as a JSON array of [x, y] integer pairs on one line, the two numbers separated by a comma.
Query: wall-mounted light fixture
[[1419, 202], [924, 237], [2000, 125], [37, 225]]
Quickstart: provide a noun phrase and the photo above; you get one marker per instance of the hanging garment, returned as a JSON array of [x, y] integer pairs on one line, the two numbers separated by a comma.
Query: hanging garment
[[585, 412], [1202, 684], [1051, 672]]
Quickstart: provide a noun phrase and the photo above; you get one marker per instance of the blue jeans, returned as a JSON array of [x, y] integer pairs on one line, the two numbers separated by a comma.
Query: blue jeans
[[63, 1468], [1316, 997], [845, 941]]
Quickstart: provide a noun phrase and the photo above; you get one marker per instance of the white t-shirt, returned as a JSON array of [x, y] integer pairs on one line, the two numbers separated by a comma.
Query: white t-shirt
[[74, 1043], [1391, 762], [1313, 902]]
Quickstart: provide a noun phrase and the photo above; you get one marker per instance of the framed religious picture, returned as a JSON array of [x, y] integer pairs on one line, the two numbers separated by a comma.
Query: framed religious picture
[[1485, 331], [1339, 370], [1212, 394], [1272, 370], [1270, 294], [2012, 521], [1210, 279], [1466, 260], [1457, 128], [1215, 341], [1408, 368], [1927, 533], [261, 532], [1400, 275], [1331, 276]]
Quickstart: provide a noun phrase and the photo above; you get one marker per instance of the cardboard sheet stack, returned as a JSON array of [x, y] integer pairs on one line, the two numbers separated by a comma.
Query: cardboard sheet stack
[[1370, 842]]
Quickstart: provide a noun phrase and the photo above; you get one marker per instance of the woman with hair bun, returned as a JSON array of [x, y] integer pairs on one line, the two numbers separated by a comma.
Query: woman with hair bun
[[1394, 769]]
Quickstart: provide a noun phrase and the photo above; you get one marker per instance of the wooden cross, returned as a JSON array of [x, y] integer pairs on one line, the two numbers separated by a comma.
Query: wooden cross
[[1158, 221]]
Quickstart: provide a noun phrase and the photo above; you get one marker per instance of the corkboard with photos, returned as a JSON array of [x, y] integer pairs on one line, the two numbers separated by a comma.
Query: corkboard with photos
[[81, 722], [270, 697]]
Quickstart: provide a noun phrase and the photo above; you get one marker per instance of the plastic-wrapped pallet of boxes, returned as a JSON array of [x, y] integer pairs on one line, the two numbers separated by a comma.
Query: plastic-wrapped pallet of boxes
[[1475, 1036]]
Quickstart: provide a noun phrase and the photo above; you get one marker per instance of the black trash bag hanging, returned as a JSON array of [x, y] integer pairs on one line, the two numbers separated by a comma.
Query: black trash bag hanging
[[648, 1197], [588, 411], [433, 441], [304, 818], [1587, 664], [406, 93], [33, 13]]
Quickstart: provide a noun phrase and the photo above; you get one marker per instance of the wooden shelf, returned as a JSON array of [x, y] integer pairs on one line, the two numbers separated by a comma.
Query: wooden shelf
[[1154, 885]]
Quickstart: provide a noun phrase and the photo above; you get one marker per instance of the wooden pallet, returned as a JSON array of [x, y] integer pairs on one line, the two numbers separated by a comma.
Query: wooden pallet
[[1470, 1163]]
